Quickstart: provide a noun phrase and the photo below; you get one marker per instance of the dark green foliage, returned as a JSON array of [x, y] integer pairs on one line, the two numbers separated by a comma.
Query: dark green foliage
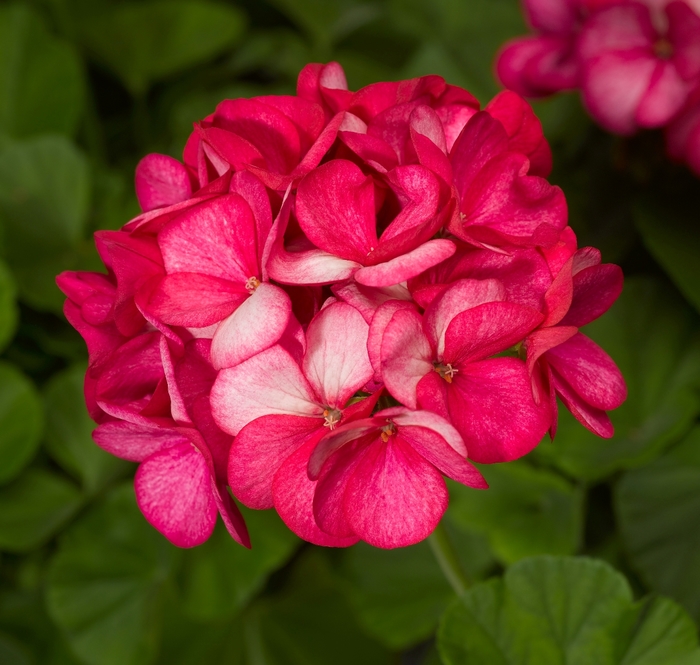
[[87, 87]]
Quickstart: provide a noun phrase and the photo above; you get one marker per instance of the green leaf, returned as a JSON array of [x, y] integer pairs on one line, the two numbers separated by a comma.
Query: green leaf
[[524, 512], [41, 77], [469, 36], [105, 583], [659, 513], [143, 42], [220, 577], [9, 313], [21, 421], [310, 623], [69, 432], [553, 610], [652, 336], [670, 232], [33, 507], [399, 595], [13, 652]]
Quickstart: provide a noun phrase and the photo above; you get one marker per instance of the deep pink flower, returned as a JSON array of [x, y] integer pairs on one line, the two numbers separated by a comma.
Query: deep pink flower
[[441, 362], [683, 134], [635, 73]]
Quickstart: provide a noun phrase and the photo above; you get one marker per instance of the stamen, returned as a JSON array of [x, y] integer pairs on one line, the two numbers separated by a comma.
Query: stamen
[[446, 371], [663, 49], [332, 417], [388, 431], [251, 284]]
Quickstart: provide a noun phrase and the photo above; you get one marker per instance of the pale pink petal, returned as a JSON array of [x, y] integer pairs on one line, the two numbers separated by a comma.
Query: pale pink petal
[[174, 492], [257, 324], [406, 266], [462, 295], [336, 363], [406, 355], [259, 450], [335, 208], [216, 238], [379, 321], [486, 330], [590, 372], [368, 299], [665, 96], [161, 181], [267, 384], [294, 496], [135, 442], [312, 266], [394, 497]]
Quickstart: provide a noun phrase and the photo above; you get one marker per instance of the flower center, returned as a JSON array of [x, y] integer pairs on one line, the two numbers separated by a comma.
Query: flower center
[[388, 430], [332, 417], [446, 371], [663, 49], [251, 284]]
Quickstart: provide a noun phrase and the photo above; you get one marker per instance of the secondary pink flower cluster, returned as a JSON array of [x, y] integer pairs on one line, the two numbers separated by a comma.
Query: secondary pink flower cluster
[[336, 300], [637, 63]]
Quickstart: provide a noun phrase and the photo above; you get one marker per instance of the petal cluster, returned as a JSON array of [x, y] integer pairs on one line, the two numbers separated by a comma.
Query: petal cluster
[[336, 300], [636, 62]]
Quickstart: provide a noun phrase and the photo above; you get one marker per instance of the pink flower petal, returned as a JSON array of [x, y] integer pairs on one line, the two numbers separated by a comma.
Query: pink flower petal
[[267, 384], [543, 340], [230, 514], [336, 363], [490, 403], [462, 295], [259, 450], [406, 355], [174, 492], [487, 330], [216, 238], [194, 300], [590, 372], [135, 442], [595, 420], [404, 418], [406, 266], [161, 181], [394, 497], [294, 496], [595, 290], [335, 208], [257, 324], [379, 321], [665, 96]]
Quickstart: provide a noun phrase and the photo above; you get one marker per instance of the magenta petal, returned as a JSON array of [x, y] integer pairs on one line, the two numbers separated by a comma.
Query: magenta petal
[[215, 238], [336, 363], [432, 447], [590, 372], [541, 341], [161, 181], [406, 355], [294, 496], [257, 324], [379, 321], [135, 442], [260, 449], [595, 290], [266, 384], [394, 497], [230, 514], [488, 329], [335, 208], [404, 417], [462, 295], [174, 492], [595, 420], [665, 96], [408, 265], [490, 403], [194, 300]]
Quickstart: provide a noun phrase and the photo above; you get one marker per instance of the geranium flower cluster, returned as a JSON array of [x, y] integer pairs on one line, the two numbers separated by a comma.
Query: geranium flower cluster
[[637, 63], [337, 299]]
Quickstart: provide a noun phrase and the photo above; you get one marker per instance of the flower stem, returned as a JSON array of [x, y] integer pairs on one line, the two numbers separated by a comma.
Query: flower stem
[[445, 553]]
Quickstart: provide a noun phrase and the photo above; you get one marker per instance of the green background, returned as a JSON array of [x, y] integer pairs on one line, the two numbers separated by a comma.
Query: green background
[[87, 87]]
